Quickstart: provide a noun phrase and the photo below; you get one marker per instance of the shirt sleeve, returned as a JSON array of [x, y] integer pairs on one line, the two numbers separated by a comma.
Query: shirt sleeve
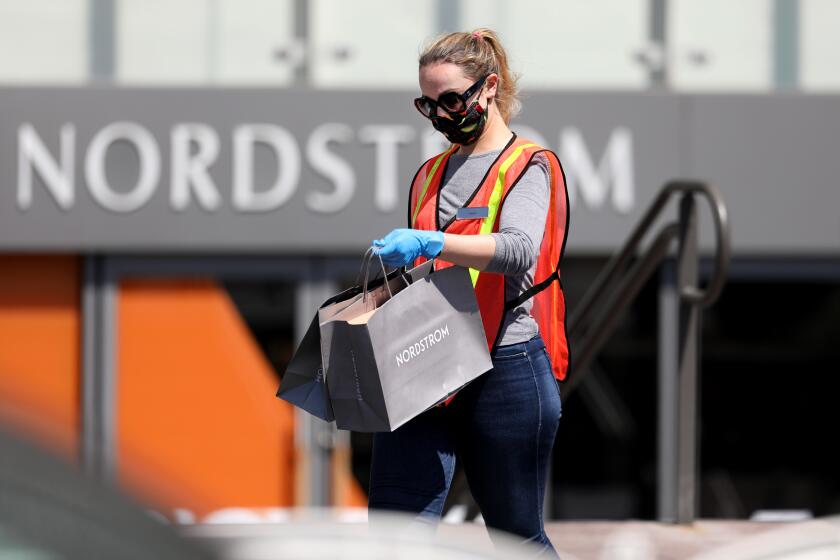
[[522, 221]]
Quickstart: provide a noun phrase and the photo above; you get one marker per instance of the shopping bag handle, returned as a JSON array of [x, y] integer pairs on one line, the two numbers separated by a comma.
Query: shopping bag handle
[[364, 266], [366, 260]]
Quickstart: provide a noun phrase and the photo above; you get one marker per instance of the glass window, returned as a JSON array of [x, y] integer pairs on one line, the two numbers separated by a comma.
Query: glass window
[[247, 42], [720, 44], [43, 41], [256, 42], [819, 54], [569, 43], [368, 43], [158, 41]]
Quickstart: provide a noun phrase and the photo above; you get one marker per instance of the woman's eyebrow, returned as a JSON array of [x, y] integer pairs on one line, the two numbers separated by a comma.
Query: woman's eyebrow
[[444, 92], [438, 95]]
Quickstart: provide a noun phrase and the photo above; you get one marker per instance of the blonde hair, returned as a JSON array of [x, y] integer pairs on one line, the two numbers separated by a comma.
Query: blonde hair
[[477, 53]]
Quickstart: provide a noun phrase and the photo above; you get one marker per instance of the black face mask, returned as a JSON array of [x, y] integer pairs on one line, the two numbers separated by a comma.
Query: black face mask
[[466, 130]]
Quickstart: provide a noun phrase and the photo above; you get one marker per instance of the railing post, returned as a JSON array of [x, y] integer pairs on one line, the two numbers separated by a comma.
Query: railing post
[[314, 438], [680, 305], [688, 357], [679, 340], [99, 341], [667, 417]]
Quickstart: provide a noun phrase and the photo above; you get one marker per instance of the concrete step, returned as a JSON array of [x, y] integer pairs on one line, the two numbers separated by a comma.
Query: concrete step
[[706, 539], [332, 534]]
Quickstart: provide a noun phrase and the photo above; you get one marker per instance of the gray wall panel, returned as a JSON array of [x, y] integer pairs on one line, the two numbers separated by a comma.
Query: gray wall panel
[[774, 157], [777, 162]]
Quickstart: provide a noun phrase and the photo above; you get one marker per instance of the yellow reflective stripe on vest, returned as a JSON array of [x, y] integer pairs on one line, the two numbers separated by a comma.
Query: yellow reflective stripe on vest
[[496, 199], [426, 184]]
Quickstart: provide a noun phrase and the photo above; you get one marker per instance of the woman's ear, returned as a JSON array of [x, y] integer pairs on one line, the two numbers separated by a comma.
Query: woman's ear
[[491, 84]]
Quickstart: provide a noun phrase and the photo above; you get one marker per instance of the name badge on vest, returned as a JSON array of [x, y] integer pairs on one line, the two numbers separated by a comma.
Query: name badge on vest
[[472, 213]]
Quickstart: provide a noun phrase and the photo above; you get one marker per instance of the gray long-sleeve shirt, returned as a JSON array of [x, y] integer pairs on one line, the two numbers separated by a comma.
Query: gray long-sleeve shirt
[[520, 234]]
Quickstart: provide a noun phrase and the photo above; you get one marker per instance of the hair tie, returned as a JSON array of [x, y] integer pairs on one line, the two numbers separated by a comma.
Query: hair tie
[[476, 36]]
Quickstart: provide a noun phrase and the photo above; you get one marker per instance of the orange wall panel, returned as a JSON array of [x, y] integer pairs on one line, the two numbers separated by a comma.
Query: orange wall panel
[[40, 337], [198, 425]]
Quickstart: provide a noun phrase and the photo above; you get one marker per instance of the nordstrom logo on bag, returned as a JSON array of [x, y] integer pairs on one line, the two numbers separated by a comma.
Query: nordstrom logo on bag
[[422, 345]]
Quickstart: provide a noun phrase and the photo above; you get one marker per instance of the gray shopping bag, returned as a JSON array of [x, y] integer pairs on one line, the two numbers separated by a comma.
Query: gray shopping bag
[[391, 358], [378, 290], [304, 381]]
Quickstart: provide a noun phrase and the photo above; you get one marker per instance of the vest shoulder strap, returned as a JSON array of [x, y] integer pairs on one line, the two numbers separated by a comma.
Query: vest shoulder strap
[[422, 180]]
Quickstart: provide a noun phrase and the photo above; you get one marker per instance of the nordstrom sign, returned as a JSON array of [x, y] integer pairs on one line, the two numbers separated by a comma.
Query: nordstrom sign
[[303, 171], [194, 148], [325, 172]]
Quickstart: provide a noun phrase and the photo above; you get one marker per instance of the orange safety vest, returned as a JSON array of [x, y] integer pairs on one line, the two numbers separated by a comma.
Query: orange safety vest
[[549, 306]]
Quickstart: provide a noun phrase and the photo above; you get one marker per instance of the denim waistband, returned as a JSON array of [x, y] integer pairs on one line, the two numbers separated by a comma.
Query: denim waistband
[[534, 345]]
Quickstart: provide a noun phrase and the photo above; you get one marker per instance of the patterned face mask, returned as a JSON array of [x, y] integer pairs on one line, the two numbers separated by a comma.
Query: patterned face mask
[[464, 129]]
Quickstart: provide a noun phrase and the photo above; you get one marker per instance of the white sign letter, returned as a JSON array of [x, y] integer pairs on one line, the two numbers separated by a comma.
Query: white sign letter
[[190, 171], [286, 150], [148, 154], [386, 138], [326, 163], [32, 154], [615, 169]]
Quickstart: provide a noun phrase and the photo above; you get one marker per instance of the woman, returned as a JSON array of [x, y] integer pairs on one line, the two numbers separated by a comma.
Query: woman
[[497, 204]]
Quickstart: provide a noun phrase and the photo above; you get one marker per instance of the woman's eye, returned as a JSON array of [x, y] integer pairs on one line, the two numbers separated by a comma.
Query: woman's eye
[[450, 101]]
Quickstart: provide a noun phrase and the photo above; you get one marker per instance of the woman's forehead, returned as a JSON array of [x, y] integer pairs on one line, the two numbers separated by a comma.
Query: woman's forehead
[[443, 76]]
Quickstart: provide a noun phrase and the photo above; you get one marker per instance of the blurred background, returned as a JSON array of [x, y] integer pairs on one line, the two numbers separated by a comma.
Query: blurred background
[[183, 182]]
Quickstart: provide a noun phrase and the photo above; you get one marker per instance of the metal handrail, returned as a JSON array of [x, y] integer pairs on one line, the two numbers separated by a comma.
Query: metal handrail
[[615, 288], [581, 323], [611, 311]]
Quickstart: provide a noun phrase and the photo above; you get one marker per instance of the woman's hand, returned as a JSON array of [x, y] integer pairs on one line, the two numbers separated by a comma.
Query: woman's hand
[[402, 246]]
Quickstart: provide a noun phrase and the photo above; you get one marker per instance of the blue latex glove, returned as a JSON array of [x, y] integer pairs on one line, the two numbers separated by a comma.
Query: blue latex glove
[[402, 246]]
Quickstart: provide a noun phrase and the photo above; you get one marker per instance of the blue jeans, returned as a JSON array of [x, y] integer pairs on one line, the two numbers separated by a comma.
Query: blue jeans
[[501, 427]]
